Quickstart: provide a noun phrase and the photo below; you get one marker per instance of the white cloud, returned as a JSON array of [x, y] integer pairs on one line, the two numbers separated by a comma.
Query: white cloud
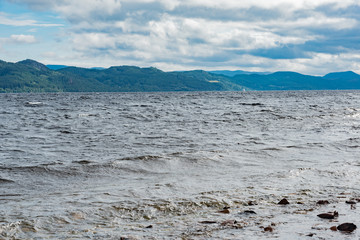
[[84, 10], [21, 38], [205, 34], [16, 21]]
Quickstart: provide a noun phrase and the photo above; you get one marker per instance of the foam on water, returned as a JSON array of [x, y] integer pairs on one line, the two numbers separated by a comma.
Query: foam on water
[[163, 165]]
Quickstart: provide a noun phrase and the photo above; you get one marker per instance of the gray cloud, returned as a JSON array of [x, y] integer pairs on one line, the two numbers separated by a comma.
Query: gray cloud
[[194, 32]]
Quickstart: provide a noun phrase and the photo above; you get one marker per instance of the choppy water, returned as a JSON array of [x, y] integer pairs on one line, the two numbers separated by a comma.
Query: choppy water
[[109, 165]]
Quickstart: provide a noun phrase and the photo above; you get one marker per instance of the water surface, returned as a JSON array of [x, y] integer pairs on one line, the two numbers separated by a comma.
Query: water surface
[[109, 165]]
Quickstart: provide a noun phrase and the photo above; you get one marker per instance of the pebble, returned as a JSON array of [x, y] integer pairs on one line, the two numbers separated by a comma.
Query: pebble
[[248, 212], [284, 202], [268, 229], [333, 228], [322, 202], [228, 222], [225, 211], [346, 227], [208, 222], [329, 215]]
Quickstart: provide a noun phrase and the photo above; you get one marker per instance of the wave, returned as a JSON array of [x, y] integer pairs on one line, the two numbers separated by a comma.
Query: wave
[[3, 180]]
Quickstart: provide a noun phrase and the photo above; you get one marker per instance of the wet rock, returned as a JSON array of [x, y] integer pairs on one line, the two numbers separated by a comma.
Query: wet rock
[[268, 229], [328, 215], [333, 228], [310, 235], [346, 227], [350, 202], [228, 222], [224, 211], [283, 201], [248, 212], [322, 202], [150, 226], [208, 222]]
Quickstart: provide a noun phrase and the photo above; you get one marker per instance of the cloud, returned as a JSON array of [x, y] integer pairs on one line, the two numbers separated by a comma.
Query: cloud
[[16, 21], [19, 39], [201, 33], [22, 38]]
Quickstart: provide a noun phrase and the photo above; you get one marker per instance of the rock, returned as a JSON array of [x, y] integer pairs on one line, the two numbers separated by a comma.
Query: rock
[[333, 228], [228, 222], [225, 211], [310, 235], [248, 212], [208, 222], [268, 229], [150, 226], [284, 201], [329, 215], [251, 203], [350, 202], [322, 202], [346, 227]]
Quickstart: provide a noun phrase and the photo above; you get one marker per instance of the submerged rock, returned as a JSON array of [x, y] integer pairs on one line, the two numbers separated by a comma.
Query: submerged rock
[[224, 211], [268, 229], [283, 201], [248, 212], [208, 222], [329, 215], [322, 202], [333, 228], [346, 227], [228, 222]]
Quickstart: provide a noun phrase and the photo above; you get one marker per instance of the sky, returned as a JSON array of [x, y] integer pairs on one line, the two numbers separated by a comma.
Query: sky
[[307, 36]]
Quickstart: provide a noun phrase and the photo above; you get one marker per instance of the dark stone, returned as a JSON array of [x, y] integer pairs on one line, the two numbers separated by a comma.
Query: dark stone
[[284, 202], [225, 211], [268, 229], [310, 235], [322, 202], [333, 228], [350, 202], [208, 222], [346, 227], [251, 203], [329, 215], [150, 226], [249, 212]]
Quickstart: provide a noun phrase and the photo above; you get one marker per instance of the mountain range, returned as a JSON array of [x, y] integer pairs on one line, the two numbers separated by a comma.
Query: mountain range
[[32, 76]]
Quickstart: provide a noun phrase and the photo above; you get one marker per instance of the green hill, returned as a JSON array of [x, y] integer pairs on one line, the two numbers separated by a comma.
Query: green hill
[[32, 76]]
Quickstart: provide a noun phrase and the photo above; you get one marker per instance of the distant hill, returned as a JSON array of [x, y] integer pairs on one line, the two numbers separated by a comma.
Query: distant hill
[[32, 76], [237, 72], [297, 81]]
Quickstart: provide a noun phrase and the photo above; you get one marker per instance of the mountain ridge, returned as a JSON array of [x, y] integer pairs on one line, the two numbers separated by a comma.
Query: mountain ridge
[[32, 76]]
